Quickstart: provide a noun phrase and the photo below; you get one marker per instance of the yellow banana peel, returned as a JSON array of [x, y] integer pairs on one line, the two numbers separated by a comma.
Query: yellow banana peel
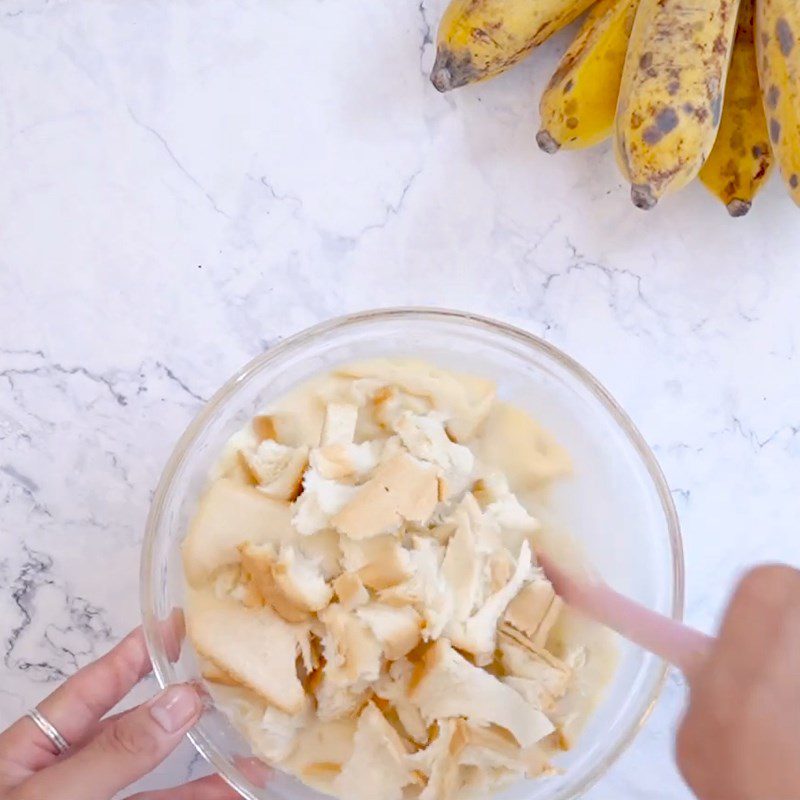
[[578, 106], [670, 100], [478, 39]]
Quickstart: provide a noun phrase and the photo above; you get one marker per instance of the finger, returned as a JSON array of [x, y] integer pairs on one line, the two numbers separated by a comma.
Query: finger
[[78, 703], [76, 706], [122, 752], [210, 788]]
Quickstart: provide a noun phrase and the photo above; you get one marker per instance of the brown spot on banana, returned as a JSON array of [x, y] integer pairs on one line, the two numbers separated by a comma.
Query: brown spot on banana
[[774, 130], [773, 95], [665, 121], [785, 36]]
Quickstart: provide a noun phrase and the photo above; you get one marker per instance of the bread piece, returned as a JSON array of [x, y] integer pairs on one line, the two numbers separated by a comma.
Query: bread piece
[[321, 749], [320, 500], [380, 562], [534, 611], [353, 655], [478, 634], [535, 674], [424, 436], [254, 646], [285, 577], [403, 488], [464, 400], [514, 444], [393, 687], [277, 469], [229, 514], [439, 764], [450, 686], [378, 768], [397, 629], [340, 424], [345, 461], [350, 591]]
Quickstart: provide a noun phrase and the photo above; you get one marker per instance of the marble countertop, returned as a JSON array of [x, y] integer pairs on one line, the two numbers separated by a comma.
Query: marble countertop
[[184, 183]]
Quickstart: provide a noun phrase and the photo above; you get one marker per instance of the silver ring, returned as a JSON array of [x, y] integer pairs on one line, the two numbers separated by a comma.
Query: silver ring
[[49, 730]]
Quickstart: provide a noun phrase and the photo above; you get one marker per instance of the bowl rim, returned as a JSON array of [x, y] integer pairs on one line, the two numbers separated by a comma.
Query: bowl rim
[[430, 314]]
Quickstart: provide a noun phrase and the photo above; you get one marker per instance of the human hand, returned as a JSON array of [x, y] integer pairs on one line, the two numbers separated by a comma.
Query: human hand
[[105, 755], [740, 737]]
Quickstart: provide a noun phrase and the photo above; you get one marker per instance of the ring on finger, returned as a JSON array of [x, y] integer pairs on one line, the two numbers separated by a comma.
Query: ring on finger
[[49, 730]]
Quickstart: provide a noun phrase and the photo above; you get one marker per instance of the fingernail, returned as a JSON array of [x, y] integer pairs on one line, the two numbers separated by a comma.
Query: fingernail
[[175, 708]]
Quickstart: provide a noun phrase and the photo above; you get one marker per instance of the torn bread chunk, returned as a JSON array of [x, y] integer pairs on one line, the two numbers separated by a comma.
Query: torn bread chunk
[[340, 424], [320, 501], [393, 687], [350, 591], [277, 470], [346, 461], [462, 570], [397, 629], [353, 655], [402, 489], [424, 436], [438, 762], [254, 646], [228, 515], [288, 581], [464, 400], [321, 750], [323, 549], [274, 736], [452, 687], [426, 590], [378, 768], [337, 701], [534, 611], [534, 673], [479, 633], [521, 449], [380, 562]]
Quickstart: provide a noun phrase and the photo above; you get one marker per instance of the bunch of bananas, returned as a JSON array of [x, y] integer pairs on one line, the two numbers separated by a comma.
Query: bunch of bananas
[[687, 88]]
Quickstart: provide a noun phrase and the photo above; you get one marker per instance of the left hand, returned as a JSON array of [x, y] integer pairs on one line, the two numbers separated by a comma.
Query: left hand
[[105, 755]]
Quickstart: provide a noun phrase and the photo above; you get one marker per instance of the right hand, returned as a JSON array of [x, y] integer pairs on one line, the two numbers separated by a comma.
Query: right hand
[[740, 737]]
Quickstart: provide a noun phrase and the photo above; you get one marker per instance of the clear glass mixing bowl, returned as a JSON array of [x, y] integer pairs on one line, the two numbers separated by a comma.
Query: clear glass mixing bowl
[[617, 505]]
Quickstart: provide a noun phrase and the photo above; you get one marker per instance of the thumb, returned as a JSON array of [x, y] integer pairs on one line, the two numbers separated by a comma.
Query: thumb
[[124, 751]]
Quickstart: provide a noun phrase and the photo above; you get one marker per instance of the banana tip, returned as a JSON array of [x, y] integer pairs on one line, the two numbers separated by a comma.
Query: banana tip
[[643, 197], [738, 208], [442, 78], [547, 143], [452, 69]]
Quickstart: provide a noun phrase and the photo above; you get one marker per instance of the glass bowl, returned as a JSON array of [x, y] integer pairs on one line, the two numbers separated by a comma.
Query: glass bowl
[[617, 505]]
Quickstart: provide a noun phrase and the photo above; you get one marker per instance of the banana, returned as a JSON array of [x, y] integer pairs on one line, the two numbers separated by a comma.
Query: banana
[[741, 159], [481, 38], [671, 93], [577, 108], [778, 48]]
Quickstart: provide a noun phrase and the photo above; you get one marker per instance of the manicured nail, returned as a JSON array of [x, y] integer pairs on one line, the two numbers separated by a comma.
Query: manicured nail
[[175, 707]]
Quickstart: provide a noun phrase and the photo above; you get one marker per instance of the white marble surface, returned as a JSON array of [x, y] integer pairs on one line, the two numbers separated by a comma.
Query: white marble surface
[[183, 183]]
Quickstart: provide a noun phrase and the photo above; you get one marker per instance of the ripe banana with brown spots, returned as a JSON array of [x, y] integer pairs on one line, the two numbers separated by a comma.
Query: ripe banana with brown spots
[[778, 48], [481, 38], [577, 108], [741, 159], [671, 93]]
